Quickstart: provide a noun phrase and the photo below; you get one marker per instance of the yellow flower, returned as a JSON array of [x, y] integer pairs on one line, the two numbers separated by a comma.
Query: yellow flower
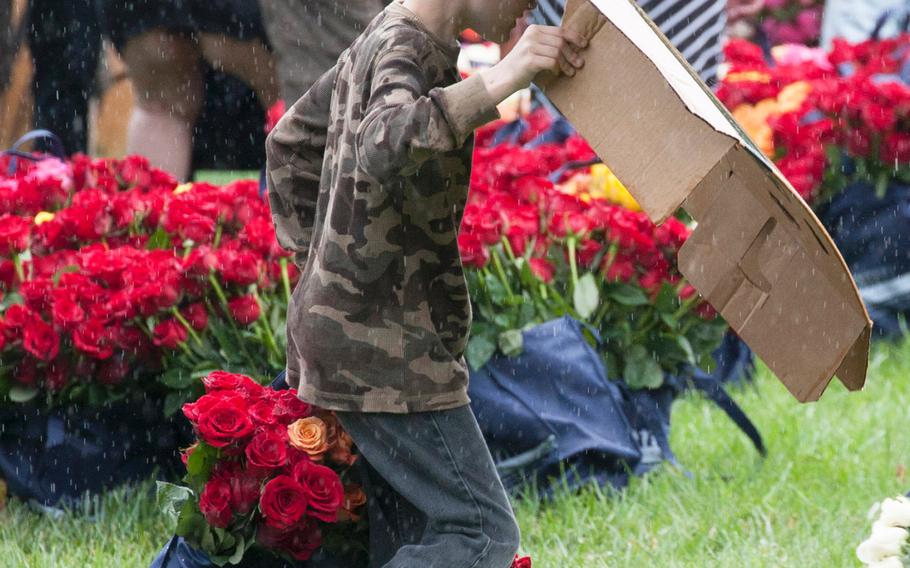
[[755, 118], [605, 185], [43, 217], [183, 188]]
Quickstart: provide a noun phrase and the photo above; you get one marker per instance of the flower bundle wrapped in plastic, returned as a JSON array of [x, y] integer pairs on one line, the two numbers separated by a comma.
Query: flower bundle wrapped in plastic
[[536, 250], [813, 109], [268, 470], [110, 270]]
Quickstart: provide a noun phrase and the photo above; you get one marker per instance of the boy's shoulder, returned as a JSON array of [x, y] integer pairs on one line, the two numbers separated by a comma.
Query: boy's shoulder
[[395, 30]]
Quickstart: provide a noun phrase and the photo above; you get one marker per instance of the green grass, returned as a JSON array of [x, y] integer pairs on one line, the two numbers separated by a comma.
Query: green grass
[[804, 506]]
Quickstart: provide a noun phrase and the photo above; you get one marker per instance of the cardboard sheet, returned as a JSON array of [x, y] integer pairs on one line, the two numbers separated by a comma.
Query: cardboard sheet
[[758, 254]]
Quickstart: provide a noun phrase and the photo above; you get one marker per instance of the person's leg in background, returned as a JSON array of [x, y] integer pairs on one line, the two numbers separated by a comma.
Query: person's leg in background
[[65, 41], [439, 464], [167, 85], [250, 61]]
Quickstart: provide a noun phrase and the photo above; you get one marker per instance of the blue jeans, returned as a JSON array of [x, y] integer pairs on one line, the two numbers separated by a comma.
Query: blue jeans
[[432, 478]]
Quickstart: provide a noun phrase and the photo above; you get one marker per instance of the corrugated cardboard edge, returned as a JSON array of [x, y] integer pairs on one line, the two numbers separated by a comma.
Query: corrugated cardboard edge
[[852, 370]]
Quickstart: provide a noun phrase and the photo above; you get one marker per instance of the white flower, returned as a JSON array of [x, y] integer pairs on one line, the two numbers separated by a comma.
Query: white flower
[[887, 562], [895, 512], [883, 542]]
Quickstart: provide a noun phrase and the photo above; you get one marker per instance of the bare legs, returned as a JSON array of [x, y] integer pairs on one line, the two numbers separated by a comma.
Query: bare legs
[[167, 80]]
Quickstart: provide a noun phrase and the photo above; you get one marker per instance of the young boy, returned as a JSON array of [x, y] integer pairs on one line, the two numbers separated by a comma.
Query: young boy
[[368, 176]]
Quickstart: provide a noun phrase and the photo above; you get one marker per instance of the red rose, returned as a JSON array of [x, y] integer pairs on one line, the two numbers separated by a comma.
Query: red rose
[[240, 267], [543, 269], [26, 372], [224, 381], [56, 377], [169, 334], [66, 312], [37, 293], [225, 422], [288, 407], [245, 485], [196, 410], [324, 490], [245, 309], [215, 503], [197, 315], [14, 233], [268, 450], [93, 339], [283, 502], [300, 541], [263, 412], [521, 562], [113, 371], [40, 339], [473, 252]]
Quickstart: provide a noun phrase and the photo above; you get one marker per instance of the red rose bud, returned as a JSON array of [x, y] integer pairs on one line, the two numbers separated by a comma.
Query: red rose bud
[[288, 408], [473, 252], [263, 412], [521, 562], [215, 503], [224, 381], [245, 489], [40, 339], [324, 490], [268, 450], [14, 233], [113, 371], [300, 541], [225, 422], [283, 502], [169, 334], [65, 311], [542, 269], [26, 372], [197, 315], [245, 309], [240, 267], [93, 339]]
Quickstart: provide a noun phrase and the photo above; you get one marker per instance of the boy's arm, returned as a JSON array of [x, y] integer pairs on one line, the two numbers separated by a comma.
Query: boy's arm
[[407, 121], [294, 155]]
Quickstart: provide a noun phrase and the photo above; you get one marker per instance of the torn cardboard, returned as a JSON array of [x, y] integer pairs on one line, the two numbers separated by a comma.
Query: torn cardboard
[[758, 254]]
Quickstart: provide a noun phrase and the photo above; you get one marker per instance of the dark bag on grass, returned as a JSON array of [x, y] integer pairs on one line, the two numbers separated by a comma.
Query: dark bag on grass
[[873, 234], [54, 457], [552, 410]]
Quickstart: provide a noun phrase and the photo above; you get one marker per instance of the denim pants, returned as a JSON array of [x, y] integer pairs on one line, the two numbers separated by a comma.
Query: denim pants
[[432, 483]]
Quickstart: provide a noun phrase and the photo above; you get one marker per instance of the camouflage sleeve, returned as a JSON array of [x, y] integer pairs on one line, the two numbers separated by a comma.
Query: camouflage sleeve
[[294, 155], [407, 121]]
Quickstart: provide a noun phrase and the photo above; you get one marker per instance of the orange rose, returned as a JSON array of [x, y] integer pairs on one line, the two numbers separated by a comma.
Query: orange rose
[[354, 499], [340, 451], [310, 436]]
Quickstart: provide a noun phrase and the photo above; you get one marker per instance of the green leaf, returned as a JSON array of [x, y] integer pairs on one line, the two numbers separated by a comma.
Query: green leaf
[[208, 541], [881, 184], [628, 295], [495, 288], [641, 370], [191, 523], [173, 401], [586, 296], [19, 393], [479, 350], [237, 556], [667, 301], [511, 342], [202, 459], [176, 378], [668, 320], [11, 299], [171, 499], [159, 240]]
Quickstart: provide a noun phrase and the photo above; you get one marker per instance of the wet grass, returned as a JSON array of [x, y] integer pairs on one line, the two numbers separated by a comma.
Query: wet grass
[[805, 505]]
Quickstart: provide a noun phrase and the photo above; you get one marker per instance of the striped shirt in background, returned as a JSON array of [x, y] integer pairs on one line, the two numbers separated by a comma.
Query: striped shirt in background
[[695, 27]]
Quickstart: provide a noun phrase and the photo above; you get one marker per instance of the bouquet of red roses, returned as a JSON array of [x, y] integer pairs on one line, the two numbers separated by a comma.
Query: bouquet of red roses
[[267, 470]]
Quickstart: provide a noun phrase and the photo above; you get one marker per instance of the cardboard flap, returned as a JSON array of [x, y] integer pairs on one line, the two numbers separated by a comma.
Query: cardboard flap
[[758, 254]]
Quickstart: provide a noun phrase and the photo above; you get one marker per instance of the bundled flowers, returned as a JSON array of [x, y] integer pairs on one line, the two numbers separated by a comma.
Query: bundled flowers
[[792, 21], [827, 119], [267, 469], [886, 547], [110, 270], [538, 249]]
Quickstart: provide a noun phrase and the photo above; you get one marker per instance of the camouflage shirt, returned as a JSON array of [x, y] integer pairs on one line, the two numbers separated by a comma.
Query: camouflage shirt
[[367, 178]]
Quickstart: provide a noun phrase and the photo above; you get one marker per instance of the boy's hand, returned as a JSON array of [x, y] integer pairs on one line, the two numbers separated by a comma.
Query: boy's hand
[[542, 49]]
